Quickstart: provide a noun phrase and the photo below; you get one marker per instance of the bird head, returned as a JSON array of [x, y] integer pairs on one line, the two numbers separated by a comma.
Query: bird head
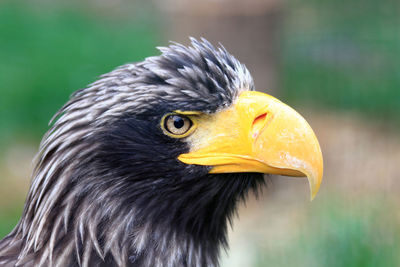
[[147, 164]]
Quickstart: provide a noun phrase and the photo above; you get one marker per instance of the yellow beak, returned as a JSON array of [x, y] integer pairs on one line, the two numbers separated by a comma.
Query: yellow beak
[[258, 133]]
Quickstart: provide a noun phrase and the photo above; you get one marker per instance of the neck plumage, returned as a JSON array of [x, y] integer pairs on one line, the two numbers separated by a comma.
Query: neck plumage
[[151, 222]]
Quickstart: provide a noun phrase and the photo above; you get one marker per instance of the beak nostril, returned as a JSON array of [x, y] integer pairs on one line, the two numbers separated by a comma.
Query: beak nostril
[[258, 124]]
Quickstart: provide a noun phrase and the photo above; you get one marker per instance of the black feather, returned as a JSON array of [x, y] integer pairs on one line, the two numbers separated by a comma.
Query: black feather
[[108, 189]]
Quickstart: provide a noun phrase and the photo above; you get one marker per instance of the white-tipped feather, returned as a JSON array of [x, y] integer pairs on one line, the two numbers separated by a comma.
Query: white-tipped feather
[[59, 225]]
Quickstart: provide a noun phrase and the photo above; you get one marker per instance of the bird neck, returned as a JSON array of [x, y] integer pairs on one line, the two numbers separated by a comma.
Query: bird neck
[[139, 222], [185, 223]]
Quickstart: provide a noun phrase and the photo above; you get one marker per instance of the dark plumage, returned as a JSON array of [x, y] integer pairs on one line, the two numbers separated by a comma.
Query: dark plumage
[[145, 167], [108, 189]]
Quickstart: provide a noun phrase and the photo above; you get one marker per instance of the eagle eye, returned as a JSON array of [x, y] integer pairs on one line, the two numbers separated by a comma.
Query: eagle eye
[[177, 125]]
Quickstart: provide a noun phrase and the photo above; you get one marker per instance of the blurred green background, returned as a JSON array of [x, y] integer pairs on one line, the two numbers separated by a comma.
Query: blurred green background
[[337, 62]]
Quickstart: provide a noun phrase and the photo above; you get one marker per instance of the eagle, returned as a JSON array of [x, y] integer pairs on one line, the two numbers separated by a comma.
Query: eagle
[[146, 166]]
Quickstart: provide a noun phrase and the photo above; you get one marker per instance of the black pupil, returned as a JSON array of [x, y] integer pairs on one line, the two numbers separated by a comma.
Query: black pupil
[[178, 122]]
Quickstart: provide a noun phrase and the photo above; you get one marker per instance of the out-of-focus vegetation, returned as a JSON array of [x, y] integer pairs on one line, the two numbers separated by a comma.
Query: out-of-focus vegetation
[[47, 51], [50, 49], [333, 235], [338, 55], [343, 54], [9, 216]]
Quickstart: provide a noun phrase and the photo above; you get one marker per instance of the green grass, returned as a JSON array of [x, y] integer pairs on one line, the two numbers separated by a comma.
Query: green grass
[[343, 55], [48, 51]]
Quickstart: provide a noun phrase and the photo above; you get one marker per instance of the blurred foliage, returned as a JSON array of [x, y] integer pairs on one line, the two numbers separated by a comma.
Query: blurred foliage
[[48, 50], [9, 216], [344, 55], [340, 54], [336, 233]]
